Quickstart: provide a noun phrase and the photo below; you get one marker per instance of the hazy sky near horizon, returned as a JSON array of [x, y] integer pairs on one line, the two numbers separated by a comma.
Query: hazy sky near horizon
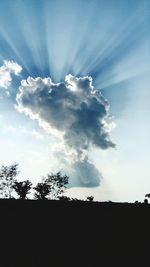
[[107, 40]]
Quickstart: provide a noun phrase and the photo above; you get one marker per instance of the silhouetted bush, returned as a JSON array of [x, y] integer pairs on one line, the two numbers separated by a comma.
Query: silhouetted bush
[[77, 200], [22, 188], [145, 201], [65, 198], [90, 198], [43, 190]]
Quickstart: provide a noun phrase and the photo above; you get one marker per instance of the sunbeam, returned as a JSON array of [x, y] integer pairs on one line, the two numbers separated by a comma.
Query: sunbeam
[[75, 37]]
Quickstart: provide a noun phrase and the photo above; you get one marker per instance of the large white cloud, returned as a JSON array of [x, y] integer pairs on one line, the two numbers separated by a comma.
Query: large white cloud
[[6, 71], [74, 111]]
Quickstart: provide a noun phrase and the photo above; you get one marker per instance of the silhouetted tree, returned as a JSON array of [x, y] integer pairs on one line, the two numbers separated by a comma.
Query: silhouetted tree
[[7, 178], [58, 184], [90, 198], [145, 201], [43, 190], [22, 188]]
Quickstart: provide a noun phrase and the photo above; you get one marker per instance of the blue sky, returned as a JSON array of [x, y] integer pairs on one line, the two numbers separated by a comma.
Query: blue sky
[[107, 40]]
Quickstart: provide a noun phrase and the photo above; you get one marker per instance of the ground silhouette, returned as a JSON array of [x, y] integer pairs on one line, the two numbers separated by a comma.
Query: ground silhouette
[[54, 230], [75, 233]]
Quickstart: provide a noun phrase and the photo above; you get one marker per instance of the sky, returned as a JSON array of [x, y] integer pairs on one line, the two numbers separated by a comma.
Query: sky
[[85, 108]]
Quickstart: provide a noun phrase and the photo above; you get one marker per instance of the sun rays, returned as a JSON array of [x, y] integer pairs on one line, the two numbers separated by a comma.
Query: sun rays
[[73, 37]]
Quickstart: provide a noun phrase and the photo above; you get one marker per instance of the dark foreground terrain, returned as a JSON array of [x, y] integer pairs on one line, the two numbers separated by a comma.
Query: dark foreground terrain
[[61, 233]]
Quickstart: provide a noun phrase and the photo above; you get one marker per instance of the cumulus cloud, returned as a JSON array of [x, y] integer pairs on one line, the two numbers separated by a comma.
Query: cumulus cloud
[[75, 112], [6, 71]]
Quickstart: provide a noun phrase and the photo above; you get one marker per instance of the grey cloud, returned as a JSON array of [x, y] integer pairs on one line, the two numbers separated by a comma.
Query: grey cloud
[[76, 110], [87, 174]]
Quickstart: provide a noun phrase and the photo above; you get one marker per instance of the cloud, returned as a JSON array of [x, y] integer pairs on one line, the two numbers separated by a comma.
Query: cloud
[[73, 111], [87, 173], [6, 71]]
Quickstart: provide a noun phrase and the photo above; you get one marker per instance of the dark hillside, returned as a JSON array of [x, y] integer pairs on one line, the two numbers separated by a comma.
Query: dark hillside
[[36, 233]]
